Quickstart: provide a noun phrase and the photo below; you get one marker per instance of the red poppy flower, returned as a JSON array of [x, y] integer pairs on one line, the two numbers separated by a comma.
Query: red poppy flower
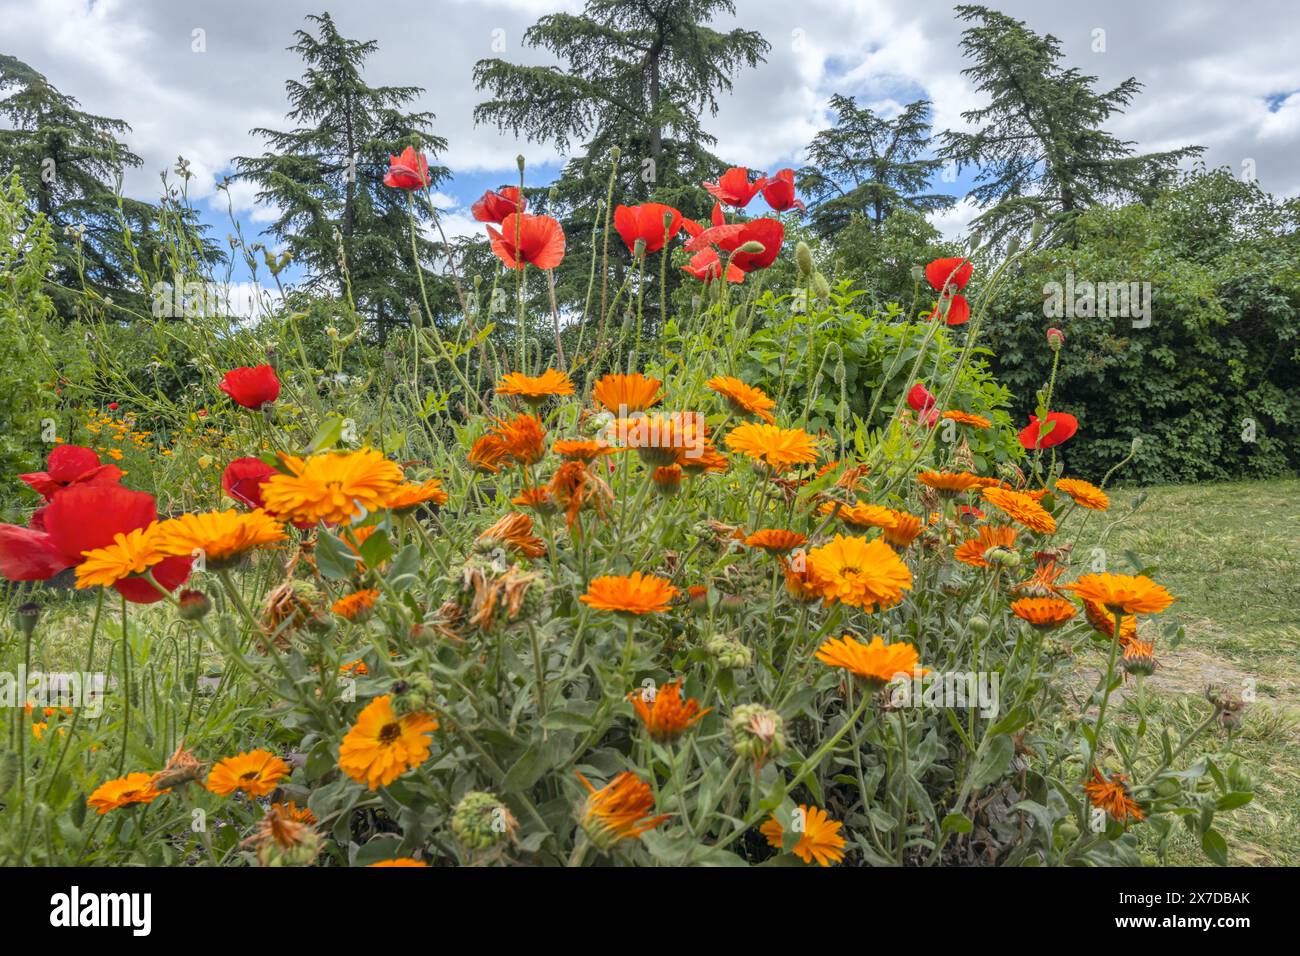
[[646, 222], [920, 398], [495, 206], [706, 266], [778, 191], [80, 519], [541, 241], [958, 309], [734, 188], [408, 171], [956, 272], [1064, 425], [769, 233], [112, 406], [252, 387], [71, 465], [243, 478]]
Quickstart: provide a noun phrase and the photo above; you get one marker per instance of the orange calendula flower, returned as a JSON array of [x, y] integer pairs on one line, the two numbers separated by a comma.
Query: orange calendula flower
[[1140, 657], [1084, 493], [779, 448], [256, 772], [663, 712], [967, 418], [535, 390], [623, 394], [538, 499], [903, 531], [1046, 612], [635, 593], [1043, 583], [224, 537], [800, 583], [705, 458], [409, 495], [667, 478], [130, 554], [618, 811], [875, 662], [860, 514], [356, 668], [1122, 593], [1103, 622], [488, 454], [580, 450], [662, 439], [973, 552], [776, 540], [574, 486], [523, 438], [357, 605], [860, 573], [819, 836], [1022, 509], [515, 531], [743, 399], [381, 746], [401, 861], [333, 487], [124, 791], [1113, 796], [949, 483]]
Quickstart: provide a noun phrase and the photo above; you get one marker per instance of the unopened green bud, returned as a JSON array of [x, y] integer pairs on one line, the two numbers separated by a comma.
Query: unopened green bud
[[728, 652], [803, 258], [26, 617], [753, 248], [979, 624], [821, 288]]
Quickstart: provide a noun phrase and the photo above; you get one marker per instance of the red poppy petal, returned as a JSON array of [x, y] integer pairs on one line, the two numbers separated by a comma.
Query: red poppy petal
[[171, 573], [84, 517], [29, 555]]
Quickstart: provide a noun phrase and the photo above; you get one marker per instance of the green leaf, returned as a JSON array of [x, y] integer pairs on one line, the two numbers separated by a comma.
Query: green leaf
[[956, 823], [334, 559], [1215, 846], [994, 763], [327, 435]]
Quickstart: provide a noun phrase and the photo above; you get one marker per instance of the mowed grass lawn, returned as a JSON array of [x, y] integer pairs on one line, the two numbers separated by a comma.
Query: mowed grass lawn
[[1230, 553]]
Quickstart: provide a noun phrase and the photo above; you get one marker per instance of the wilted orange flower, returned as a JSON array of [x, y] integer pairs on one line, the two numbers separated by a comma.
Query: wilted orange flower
[[256, 772], [355, 605], [410, 495], [1103, 622], [622, 394], [967, 418], [949, 483], [582, 450], [665, 715], [876, 662], [778, 447], [523, 438], [222, 536], [535, 390], [776, 540], [801, 584], [904, 529], [860, 514], [333, 487], [1084, 493], [1043, 582], [133, 788], [539, 499], [619, 810], [990, 536], [291, 811], [636, 593], [1113, 796], [488, 454], [819, 839], [860, 573], [381, 746], [743, 399], [1021, 508], [515, 530], [1046, 612], [574, 486], [1127, 593], [182, 767]]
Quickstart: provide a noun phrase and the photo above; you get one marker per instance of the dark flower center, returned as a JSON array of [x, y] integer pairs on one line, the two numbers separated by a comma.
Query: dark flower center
[[390, 733]]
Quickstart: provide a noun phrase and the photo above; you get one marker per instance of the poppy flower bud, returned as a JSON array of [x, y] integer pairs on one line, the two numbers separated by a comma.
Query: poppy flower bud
[[821, 288], [8, 769], [194, 605], [519, 161], [803, 258], [615, 153], [1055, 338], [26, 617], [752, 248], [638, 249], [1036, 232], [917, 273], [1013, 246]]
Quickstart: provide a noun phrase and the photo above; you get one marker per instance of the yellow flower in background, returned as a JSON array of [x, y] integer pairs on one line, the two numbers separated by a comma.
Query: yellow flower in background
[[819, 841], [222, 536], [778, 447], [859, 573], [334, 487], [381, 746], [130, 554]]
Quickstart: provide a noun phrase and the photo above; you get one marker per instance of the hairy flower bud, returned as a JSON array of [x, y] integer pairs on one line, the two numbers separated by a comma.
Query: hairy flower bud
[[1055, 338], [728, 651], [194, 605], [757, 733], [481, 821], [803, 258]]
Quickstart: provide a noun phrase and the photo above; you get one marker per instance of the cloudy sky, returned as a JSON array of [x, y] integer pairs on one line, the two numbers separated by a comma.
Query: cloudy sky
[[1217, 74]]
